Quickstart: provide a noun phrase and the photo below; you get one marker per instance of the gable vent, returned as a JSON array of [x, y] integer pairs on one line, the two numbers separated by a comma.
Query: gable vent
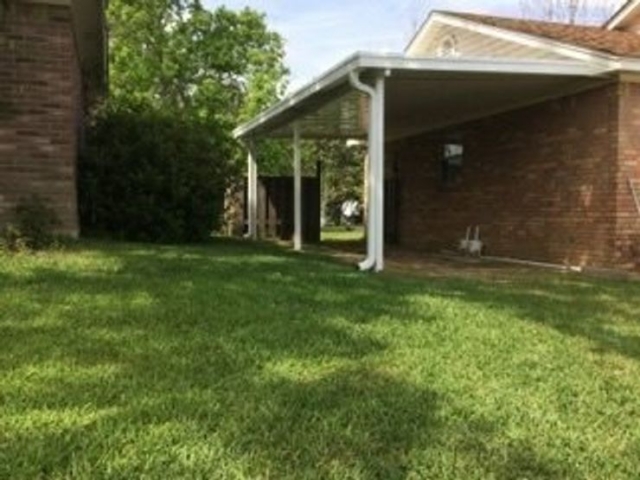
[[449, 47]]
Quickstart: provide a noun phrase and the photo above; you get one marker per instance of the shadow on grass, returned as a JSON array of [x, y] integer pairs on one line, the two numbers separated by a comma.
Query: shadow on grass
[[184, 339], [600, 311], [186, 362]]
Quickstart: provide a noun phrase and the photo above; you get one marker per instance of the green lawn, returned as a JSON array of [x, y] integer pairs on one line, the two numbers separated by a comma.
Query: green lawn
[[343, 234], [234, 361]]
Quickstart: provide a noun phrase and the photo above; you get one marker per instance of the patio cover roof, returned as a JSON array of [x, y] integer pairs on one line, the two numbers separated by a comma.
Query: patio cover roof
[[407, 95], [421, 94]]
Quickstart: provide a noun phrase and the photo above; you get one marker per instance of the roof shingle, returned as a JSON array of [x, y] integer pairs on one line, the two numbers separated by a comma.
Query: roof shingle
[[615, 42]]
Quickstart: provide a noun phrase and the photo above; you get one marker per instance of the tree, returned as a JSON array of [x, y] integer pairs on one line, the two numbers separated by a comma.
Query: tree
[[221, 65], [343, 174], [160, 154], [570, 11]]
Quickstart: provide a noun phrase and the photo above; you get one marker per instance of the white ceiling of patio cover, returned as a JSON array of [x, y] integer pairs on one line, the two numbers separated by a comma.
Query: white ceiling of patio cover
[[419, 99], [422, 101]]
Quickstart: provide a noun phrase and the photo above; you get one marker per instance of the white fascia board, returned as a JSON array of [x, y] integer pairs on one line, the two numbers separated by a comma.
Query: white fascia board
[[525, 39], [484, 65], [385, 62], [629, 65], [621, 15]]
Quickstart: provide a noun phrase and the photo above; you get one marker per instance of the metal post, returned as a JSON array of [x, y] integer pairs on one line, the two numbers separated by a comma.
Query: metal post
[[297, 190], [252, 193]]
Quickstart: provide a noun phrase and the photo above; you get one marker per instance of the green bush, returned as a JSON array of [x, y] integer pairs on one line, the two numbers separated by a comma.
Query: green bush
[[150, 176], [33, 227]]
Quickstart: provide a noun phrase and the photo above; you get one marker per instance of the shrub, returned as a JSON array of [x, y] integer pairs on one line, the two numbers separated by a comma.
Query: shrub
[[33, 228], [149, 176]]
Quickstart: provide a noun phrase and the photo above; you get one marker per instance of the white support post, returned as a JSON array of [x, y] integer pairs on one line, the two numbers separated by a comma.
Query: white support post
[[297, 190], [372, 218], [252, 193], [378, 166], [369, 262]]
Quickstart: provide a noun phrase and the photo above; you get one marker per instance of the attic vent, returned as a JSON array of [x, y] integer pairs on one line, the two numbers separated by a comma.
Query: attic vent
[[449, 47]]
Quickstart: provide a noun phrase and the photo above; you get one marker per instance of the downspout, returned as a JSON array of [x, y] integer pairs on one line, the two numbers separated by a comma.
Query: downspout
[[370, 261], [379, 171]]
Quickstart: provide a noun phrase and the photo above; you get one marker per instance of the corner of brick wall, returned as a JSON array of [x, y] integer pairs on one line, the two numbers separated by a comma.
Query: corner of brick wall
[[627, 242]]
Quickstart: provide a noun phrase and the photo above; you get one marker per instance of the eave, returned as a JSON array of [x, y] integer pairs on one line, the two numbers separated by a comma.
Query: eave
[[525, 39], [628, 12]]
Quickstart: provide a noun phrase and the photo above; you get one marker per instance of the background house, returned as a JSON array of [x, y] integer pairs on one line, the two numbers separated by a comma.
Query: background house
[[526, 129], [52, 66], [552, 180]]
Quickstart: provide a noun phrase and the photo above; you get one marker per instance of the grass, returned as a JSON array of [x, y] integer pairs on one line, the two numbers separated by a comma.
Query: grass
[[343, 234], [233, 361]]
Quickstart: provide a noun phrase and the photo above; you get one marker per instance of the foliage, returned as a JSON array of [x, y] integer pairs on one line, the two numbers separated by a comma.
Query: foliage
[[150, 176], [239, 361], [276, 157], [33, 228], [218, 66], [161, 152], [342, 175]]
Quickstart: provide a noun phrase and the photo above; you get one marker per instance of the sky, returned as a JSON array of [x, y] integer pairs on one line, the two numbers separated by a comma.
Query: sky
[[321, 33]]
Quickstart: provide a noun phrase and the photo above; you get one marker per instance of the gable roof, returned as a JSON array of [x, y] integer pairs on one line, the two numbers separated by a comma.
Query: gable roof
[[626, 13], [613, 42]]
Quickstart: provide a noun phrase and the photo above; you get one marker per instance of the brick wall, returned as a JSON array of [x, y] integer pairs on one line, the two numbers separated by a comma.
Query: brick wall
[[627, 242], [39, 105], [541, 182]]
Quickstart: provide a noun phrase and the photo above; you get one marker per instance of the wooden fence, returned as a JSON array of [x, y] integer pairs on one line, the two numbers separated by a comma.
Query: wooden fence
[[276, 209]]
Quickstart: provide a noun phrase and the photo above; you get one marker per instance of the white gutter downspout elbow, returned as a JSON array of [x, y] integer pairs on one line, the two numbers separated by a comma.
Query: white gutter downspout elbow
[[370, 261]]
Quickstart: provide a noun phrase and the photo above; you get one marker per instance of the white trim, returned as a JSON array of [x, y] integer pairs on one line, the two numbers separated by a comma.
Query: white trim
[[375, 189], [252, 192], [568, 68], [525, 39], [629, 65], [378, 165], [297, 190], [621, 15], [533, 263], [365, 61], [369, 262]]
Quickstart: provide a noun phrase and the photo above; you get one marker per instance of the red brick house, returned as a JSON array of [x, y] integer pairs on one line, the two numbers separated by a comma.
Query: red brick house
[[52, 65], [529, 130]]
